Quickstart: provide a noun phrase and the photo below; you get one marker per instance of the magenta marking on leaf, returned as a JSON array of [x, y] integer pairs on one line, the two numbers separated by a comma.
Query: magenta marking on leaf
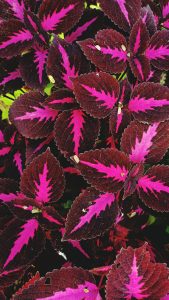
[[166, 24], [4, 151], [119, 120], [123, 9], [76, 244], [1, 137], [18, 162], [19, 37], [62, 101], [101, 96], [137, 42], [120, 54], [157, 186], [33, 24], [77, 121], [40, 61], [50, 218], [7, 197], [12, 139], [99, 205], [44, 113], [142, 104], [51, 21], [142, 147], [69, 72], [87, 291], [27, 233], [116, 172], [18, 8], [11, 76], [4, 273], [139, 67], [165, 10], [79, 31], [43, 188], [154, 53], [135, 286]]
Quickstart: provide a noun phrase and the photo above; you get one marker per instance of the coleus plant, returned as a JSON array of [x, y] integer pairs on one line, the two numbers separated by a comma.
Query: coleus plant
[[106, 111]]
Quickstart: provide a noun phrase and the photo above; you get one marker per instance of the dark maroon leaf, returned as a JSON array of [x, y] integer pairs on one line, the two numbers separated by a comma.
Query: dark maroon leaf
[[60, 16], [7, 278], [145, 143], [133, 275], [8, 190], [119, 119], [14, 38], [139, 38], [72, 283], [130, 184], [122, 12], [75, 132], [148, 19], [16, 242], [158, 50], [153, 188], [105, 169], [61, 99], [12, 9], [32, 118], [43, 179], [10, 77], [97, 93], [65, 61], [50, 218], [91, 214], [150, 102], [140, 67], [35, 62], [107, 51]]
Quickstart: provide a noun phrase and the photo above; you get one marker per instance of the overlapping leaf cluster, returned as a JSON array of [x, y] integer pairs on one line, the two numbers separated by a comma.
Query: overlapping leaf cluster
[[80, 153]]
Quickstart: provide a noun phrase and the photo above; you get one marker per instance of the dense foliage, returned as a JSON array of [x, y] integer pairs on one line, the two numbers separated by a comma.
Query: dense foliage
[[84, 139]]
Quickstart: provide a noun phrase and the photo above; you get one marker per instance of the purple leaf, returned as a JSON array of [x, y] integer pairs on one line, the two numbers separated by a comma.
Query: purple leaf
[[80, 132], [158, 50], [150, 102], [14, 38], [10, 77], [60, 99], [43, 179], [50, 218], [132, 276], [97, 93], [35, 62], [60, 16], [105, 169], [119, 119], [139, 38], [90, 215], [107, 51], [122, 12], [148, 19], [7, 278], [12, 9], [31, 117], [72, 283], [145, 143], [65, 61], [153, 188], [16, 242], [140, 67]]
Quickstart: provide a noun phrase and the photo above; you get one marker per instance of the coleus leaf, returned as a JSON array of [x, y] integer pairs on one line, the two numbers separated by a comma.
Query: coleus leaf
[[75, 132], [8, 277], [91, 214], [12, 9], [14, 38], [119, 119], [43, 179], [60, 16], [107, 51], [105, 169], [133, 275], [158, 50], [65, 61], [61, 99], [16, 242], [35, 62], [28, 283], [148, 18], [139, 38], [122, 12], [145, 143], [140, 67], [31, 117], [72, 283], [97, 93], [150, 102], [8, 190], [10, 77], [153, 188]]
